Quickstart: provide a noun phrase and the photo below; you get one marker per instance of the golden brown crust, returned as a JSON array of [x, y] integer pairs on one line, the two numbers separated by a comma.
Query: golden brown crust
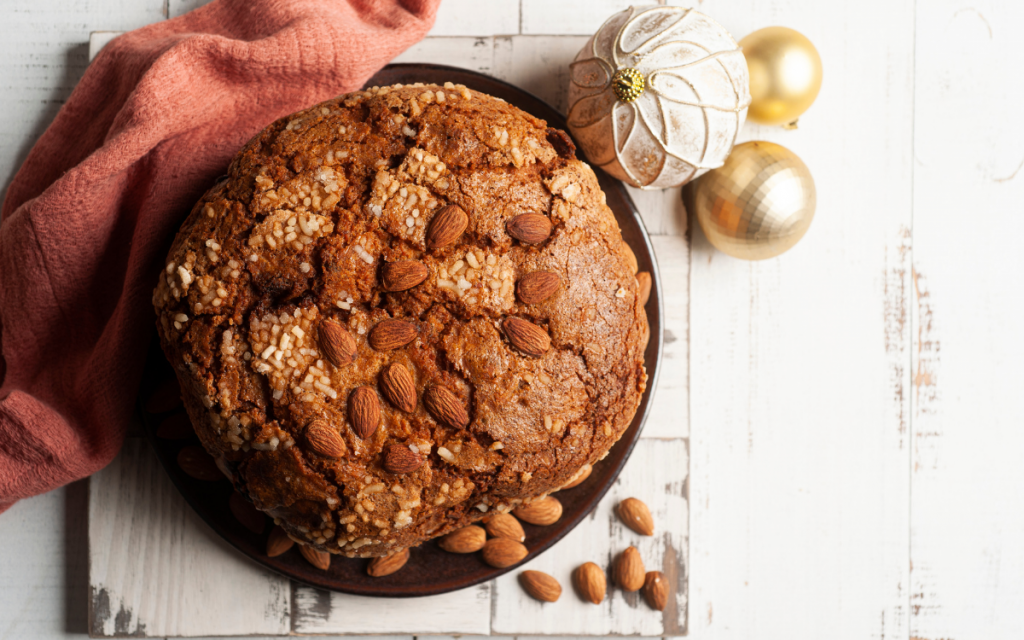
[[298, 234]]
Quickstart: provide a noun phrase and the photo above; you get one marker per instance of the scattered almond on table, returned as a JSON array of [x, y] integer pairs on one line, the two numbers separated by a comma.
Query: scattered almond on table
[[385, 566], [504, 525], [540, 586], [543, 512], [319, 559], [629, 570], [636, 516], [590, 582], [656, 590], [465, 540]]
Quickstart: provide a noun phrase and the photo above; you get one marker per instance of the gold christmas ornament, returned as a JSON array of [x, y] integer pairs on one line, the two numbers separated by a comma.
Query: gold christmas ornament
[[785, 75], [758, 204], [658, 95]]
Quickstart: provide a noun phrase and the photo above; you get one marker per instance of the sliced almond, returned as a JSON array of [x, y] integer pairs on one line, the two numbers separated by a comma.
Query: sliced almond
[[392, 334], [319, 559], [197, 463], [503, 552], [336, 343], [629, 570], [635, 514], [643, 283], [380, 567], [537, 286], [530, 228], [364, 411], [401, 459], [543, 512], [403, 275], [278, 542], [465, 540], [590, 582], [446, 407], [656, 590], [398, 387], [504, 525], [526, 336], [447, 225], [324, 440], [540, 586]]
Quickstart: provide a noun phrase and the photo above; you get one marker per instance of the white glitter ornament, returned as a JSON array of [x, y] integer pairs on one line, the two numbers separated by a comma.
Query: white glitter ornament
[[658, 95]]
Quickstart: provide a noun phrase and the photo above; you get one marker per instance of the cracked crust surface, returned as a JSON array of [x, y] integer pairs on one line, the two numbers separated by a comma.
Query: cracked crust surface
[[297, 235]]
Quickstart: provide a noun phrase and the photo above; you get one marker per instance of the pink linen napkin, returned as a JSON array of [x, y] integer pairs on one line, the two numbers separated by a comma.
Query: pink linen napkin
[[89, 217]]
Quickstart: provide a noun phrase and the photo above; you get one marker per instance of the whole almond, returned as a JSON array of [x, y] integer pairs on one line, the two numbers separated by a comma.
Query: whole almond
[[400, 459], [446, 407], [197, 463], [392, 334], [504, 525], [364, 411], [540, 586], [540, 512], [636, 516], [643, 283], [324, 440], [580, 476], [446, 226], [278, 542], [502, 552], [531, 228], [397, 384], [526, 336], [590, 582], [627, 252], [403, 275], [319, 559], [336, 343], [380, 567], [465, 540], [629, 570], [245, 512], [656, 590], [537, 286]]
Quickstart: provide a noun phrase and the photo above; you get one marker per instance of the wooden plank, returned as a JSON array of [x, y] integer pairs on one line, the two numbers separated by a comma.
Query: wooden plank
[[324, 612], [544, 17], [473, 18], [539, 65], [669, 417], [44, 573], [42, 56], [157, 570], [967, 515], [799, 386], [469, 53], [657, 474]]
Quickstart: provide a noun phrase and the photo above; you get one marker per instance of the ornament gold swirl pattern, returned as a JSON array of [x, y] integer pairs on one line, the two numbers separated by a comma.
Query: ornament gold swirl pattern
[[758, 204], [684, 117]]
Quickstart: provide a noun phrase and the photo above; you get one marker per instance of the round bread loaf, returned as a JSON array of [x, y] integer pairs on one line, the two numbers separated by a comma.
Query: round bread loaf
[[403, 309]]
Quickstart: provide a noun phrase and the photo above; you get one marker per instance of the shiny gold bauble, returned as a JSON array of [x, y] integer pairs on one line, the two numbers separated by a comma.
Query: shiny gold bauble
[[785, 75], [758, 204]]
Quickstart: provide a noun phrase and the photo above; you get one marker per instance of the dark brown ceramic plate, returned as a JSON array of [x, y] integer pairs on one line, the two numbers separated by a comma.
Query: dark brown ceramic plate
[[429, 570]]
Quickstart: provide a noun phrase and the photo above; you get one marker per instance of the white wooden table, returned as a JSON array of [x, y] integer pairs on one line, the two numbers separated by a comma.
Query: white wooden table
[[854, 463]]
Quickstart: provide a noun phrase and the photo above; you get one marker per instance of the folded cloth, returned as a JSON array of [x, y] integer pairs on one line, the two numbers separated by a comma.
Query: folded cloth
[[90, 216]]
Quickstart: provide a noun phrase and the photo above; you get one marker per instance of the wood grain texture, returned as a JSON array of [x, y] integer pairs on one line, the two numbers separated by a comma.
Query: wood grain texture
[[157, 570], [323, 612], [800, 375], [967, 513], [657, 475]]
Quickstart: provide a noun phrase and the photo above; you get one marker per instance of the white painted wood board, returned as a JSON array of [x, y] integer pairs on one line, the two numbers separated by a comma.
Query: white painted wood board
[[967, 513], [157, 570]]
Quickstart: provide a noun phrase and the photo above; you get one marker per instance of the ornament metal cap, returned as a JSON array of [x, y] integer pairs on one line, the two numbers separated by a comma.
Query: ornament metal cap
[[629, 84]]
